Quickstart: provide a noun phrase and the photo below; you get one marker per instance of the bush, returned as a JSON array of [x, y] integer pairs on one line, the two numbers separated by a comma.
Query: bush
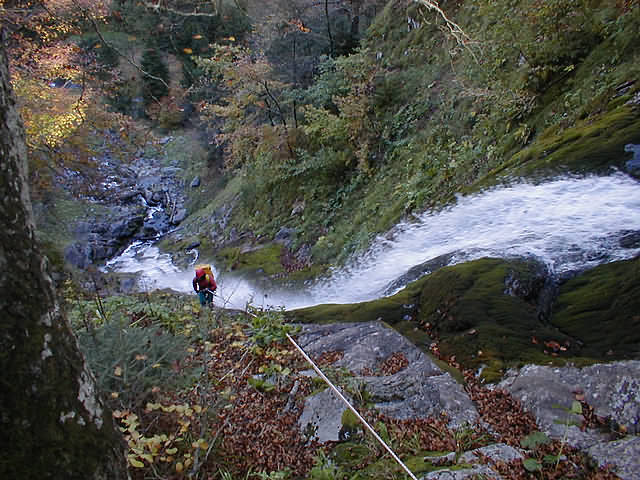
[[129, 361]]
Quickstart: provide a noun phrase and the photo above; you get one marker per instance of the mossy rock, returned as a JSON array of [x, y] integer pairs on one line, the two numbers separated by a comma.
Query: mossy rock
[[591, 146], [474, 308], [601, 308], [263, 259], [480, 319]]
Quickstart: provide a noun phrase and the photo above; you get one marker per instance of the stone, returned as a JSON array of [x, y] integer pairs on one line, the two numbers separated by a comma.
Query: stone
[[624, 454], [179, 216], [477, 471], [195, 183], [498, 452], [420, 390], [613, 390], [633, 165], [322, 416], [285, 236]]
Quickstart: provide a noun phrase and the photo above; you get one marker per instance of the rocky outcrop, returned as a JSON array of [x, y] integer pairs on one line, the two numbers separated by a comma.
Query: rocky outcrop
[[418, 388], [613, 390], [141, 200]]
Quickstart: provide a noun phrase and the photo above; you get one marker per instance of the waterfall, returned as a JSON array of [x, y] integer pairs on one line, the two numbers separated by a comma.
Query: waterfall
[[569, 223]]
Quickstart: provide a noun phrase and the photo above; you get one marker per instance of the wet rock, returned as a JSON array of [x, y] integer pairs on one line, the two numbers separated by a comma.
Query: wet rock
[[129, 196], [630, 239], [126, 227], [179, 216], [195, 183], [633, 165], [418, 271], [157, 224]]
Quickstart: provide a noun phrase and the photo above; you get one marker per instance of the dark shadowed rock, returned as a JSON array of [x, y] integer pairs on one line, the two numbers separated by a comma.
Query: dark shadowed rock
[[179, 216], [418, 271], [78, 254], [195, 183], [126, 227], [156, 225]]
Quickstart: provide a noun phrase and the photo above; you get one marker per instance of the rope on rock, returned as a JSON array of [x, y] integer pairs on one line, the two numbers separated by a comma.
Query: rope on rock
[[362, 420]]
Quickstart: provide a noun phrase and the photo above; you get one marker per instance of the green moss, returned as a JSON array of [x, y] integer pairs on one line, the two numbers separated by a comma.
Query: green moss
[[264, 259], [589, 146], [601, 309], [350, 421], [468, 309], [478, 322]]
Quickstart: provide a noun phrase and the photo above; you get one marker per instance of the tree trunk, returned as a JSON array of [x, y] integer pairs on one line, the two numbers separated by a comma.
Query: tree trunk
[[52, 423]]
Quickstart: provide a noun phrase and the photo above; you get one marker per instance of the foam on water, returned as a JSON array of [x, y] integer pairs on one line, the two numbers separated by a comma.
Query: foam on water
[[568, 223]]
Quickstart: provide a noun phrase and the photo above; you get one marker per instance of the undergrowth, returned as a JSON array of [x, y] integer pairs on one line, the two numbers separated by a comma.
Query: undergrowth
[[200, 393]]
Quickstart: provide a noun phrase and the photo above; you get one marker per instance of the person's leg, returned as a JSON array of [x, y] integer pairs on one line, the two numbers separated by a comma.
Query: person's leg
[[209, 295], [202, 297]]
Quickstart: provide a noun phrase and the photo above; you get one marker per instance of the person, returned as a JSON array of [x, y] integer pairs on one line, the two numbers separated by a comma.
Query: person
[[204, 284]]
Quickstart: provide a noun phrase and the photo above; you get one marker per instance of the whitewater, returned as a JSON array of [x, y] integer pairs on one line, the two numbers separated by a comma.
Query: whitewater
[[570, 223]]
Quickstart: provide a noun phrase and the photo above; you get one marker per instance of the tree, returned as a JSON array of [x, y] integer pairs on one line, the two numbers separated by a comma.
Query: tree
[[52, 420]]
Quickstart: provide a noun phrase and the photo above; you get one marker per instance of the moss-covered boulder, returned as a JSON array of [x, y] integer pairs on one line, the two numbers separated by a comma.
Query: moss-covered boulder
[[485, 312], [601, 308]]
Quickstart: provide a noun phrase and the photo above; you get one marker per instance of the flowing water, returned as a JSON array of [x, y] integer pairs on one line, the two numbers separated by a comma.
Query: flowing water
[[567, 223]]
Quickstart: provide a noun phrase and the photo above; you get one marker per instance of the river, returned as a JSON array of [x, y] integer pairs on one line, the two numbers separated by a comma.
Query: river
[[568, 223]]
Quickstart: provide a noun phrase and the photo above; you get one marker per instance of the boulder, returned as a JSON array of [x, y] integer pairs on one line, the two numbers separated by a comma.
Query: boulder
[[613, 390], [420, 389], [624, 454], [156, 225]]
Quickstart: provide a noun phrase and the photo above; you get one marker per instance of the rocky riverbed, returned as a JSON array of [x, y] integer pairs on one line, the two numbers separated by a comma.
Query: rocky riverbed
[[144, 198]]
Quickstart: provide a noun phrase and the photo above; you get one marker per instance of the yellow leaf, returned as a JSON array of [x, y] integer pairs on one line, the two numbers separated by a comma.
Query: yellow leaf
[[179, 467], [188, 51], [197, 37], [135, 462], [118, 371], [115, 394], [172, 451]]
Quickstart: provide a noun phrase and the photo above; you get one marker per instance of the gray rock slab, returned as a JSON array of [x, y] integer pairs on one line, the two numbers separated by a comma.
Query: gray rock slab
[[498, 452], [611, 389], [322, 416], [477, 471], [420, 390], [624, 454], [364, 345]]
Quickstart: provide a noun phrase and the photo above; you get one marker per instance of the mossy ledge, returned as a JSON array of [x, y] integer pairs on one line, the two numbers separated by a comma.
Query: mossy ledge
[[487, 314]]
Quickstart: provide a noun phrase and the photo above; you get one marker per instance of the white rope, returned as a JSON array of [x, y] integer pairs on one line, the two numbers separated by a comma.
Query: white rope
[[364, 422]]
